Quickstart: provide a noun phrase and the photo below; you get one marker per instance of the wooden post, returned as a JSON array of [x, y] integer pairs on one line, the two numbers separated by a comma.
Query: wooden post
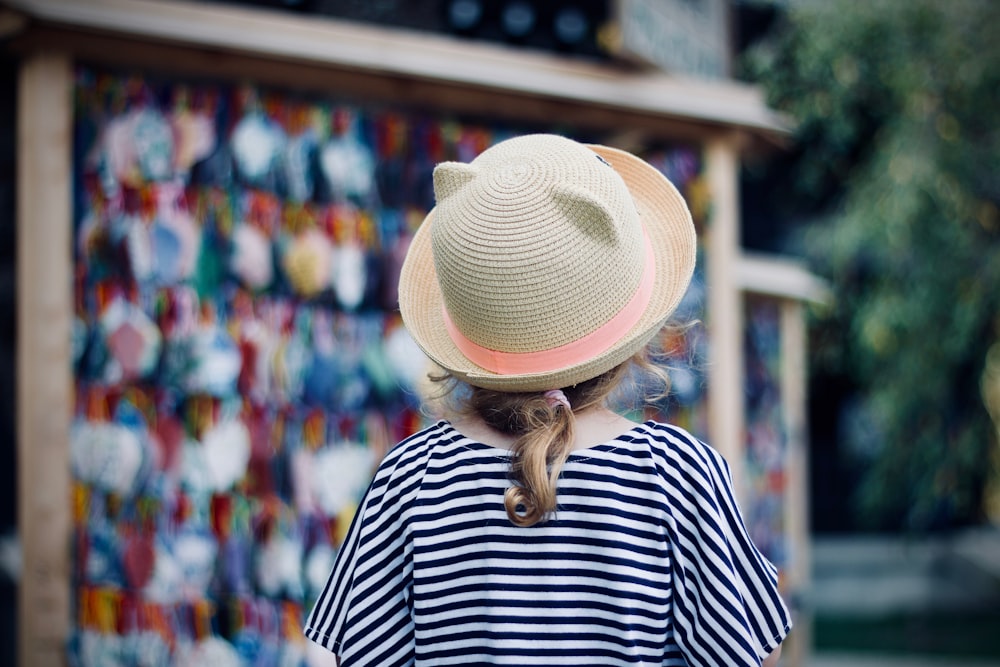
[[725, 308], [44, 368], [793, 391]]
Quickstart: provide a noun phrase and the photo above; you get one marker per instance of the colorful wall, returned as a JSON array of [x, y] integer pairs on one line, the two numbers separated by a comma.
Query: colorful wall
[[239, 363]]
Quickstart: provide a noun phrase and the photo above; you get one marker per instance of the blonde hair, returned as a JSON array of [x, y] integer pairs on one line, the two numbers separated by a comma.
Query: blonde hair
[[544, 432]]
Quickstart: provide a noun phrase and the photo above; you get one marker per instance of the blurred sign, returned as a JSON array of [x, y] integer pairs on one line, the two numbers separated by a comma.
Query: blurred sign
[[684, 36]]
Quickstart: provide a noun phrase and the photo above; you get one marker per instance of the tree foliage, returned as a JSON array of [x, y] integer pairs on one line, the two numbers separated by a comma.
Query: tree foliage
[[897, 160]]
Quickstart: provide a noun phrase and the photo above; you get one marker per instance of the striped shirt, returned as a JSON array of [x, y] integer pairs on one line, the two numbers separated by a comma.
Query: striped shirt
[[645, 562]]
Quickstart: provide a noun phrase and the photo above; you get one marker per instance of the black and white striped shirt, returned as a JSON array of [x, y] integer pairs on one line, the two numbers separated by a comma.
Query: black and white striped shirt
[[646, 562]]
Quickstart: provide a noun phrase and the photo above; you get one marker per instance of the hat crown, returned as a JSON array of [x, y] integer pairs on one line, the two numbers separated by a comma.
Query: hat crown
[[536, 243]]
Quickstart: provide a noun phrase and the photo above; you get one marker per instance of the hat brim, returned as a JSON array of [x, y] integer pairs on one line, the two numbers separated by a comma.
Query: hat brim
[[670, 230]]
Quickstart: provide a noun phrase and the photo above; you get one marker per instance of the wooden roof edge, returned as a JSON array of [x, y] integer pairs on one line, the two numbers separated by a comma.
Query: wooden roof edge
[[397, 52]]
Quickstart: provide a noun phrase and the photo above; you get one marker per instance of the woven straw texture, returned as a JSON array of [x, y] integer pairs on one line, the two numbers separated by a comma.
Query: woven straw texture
[[537, 243]]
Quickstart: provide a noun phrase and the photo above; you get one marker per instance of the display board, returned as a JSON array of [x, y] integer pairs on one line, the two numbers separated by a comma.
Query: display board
[[239, 363], [766, 457]]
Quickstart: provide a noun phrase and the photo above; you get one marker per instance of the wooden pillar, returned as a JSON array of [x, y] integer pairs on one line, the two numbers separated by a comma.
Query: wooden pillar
[[725, 307], [44, 373], [794, 391]]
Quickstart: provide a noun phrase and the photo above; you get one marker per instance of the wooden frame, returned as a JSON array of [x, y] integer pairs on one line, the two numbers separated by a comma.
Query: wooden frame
[[794, 388], [44, 363], [725, 314], [788, 282], [222, 34]]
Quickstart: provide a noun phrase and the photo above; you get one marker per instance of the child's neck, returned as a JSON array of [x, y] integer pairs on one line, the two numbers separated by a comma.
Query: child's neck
[[593, 427]]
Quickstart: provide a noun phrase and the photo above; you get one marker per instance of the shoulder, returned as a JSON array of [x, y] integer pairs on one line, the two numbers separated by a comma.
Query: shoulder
[[422, 441], [400, 475], [680, 455], [673, 441], [411, 455]]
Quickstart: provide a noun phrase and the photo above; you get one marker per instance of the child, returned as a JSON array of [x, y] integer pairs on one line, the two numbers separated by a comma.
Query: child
[[539, 527]]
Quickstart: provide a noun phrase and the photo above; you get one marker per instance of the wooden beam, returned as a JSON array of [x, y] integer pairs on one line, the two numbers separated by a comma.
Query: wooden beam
[[725, 306], [44, 368], [426, 57], [778, 276], [794, 387], [356, 86]]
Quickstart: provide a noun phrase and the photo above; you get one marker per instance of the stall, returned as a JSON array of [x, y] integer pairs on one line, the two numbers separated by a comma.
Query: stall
[[213, 203]]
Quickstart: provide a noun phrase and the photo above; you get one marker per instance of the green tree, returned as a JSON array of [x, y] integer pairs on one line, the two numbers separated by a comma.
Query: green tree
[[896, 162]]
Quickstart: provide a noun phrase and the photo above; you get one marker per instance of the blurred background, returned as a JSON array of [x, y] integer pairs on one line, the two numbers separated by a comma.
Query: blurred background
[[203, 207]]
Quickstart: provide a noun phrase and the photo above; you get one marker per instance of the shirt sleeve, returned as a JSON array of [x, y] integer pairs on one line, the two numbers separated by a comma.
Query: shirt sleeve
[[363, 613], [727, 609]]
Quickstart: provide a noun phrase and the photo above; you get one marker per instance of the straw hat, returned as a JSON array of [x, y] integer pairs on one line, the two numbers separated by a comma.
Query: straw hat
[[544, 263]]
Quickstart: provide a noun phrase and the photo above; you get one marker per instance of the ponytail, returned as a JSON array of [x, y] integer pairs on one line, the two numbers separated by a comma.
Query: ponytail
[[544, 428], [537, 458]]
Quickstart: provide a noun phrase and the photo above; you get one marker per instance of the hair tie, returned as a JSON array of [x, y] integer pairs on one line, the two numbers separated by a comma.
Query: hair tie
[[557, 397]]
